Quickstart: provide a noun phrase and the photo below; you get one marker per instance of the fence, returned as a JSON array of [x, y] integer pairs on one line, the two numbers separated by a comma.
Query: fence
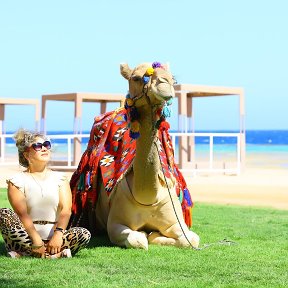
[[64, 149]]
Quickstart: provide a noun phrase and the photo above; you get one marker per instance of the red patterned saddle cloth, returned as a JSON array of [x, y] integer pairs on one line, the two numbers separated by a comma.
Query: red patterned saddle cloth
[[110, 151]]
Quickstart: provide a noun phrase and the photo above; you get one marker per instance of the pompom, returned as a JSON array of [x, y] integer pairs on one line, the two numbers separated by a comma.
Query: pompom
[[134, 115], [129, 102], [149, 71], [146, 79], [135, 126], [164, 125], [134, 135], [156, 65]]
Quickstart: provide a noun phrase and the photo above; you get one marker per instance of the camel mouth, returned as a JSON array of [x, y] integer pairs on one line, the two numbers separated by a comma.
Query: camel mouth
[[163, 92], [164, 98]]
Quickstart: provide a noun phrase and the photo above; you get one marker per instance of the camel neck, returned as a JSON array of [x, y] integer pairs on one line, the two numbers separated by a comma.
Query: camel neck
[[146, 164]]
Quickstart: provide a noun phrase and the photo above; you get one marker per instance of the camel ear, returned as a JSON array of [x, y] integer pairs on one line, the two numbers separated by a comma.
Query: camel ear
[[125, 71]]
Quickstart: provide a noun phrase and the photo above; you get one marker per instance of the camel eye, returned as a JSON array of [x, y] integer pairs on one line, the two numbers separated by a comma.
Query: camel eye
[[136, 78]]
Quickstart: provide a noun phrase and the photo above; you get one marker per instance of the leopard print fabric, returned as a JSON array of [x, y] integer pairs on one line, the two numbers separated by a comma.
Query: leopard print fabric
[[17, 239]]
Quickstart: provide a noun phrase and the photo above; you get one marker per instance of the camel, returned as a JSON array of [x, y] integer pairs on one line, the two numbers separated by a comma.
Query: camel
[[141, 207]]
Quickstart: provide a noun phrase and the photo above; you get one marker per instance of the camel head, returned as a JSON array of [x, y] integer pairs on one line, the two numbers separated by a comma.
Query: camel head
[[149, 85]]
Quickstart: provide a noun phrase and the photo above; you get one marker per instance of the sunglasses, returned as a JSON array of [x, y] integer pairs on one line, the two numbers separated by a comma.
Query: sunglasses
[[38, 146]]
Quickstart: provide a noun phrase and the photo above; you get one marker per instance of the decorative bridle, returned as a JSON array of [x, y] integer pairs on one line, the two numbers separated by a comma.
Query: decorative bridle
[[162, 109]]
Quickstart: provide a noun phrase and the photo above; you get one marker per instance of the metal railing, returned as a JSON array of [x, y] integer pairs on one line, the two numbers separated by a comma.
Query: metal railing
[[211, 162], [69, 138]]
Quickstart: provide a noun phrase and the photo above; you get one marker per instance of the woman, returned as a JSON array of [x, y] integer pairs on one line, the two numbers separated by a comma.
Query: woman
[[41, 200]]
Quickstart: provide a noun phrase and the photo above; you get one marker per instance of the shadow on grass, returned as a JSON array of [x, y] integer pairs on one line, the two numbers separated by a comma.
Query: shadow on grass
[[3, 251], [96, 241], [99, 241]]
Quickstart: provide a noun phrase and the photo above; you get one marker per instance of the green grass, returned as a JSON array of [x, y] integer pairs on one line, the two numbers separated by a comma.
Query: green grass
[[258, 259]]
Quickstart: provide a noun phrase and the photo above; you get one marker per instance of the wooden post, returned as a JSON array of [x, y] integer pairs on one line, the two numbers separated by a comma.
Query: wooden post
[[2, 141], [182, 110], [77, 130]]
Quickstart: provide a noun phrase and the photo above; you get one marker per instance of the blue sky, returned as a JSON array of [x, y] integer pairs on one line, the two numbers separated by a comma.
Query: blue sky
[[76, 46]]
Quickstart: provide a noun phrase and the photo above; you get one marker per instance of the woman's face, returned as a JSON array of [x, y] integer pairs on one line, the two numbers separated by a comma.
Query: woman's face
[[39, 151]]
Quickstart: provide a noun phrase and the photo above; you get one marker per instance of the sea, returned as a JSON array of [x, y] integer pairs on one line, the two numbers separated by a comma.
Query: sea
[[271, 143]]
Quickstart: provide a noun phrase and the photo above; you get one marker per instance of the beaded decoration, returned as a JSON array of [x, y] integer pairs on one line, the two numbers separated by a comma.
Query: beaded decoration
[[133, 116]]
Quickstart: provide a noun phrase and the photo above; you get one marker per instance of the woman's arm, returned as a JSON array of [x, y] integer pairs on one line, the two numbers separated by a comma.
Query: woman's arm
[[65, 205], [18, 203]]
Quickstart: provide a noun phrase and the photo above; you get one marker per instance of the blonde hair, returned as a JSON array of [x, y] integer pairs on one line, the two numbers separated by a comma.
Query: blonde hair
[[24, 139]]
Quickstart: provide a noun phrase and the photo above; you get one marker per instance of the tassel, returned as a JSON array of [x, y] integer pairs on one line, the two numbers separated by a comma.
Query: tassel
[[135, 126], [134, 130], [156, 65], [81, 184], [149, 71], [134, 115], [180, 196], [164, 125], [146, 79], [187, 197], [166, 112], [88, 181], [188, 217], [129, 102], [134, 135], [169, 102]]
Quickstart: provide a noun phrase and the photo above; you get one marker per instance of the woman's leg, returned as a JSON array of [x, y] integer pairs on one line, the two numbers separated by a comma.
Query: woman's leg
[[13, 232], [17, 239], [75, 239]]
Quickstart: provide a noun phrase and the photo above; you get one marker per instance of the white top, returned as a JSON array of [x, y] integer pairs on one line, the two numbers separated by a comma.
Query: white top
[[42, 198]]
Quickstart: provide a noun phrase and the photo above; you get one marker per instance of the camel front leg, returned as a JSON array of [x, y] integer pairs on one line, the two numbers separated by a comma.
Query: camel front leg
[[123, 236], [174, 236]]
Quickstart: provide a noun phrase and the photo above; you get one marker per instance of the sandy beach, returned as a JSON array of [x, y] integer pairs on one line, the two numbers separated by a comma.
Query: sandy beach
[[263, 183], [253, 187]]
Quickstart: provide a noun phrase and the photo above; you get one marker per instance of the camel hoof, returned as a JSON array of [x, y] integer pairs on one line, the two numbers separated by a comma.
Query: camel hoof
[[194, 239], [137, 240]]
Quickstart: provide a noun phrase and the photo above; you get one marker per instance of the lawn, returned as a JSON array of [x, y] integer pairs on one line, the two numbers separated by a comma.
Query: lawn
[[259, 257]]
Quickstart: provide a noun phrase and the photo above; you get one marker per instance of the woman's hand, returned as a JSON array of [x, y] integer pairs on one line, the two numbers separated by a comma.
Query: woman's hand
[[55, 243], [38, 250]]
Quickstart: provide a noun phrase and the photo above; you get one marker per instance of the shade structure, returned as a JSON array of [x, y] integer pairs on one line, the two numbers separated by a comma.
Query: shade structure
[[186, 93], [78, 98], [15, 101]]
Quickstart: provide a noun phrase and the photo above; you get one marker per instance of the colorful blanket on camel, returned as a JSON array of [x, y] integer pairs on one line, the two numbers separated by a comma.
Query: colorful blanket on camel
[[110, 154]]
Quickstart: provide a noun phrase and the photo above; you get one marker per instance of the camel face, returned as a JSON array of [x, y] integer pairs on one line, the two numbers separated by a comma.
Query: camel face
[[154, 83], [162, 85]]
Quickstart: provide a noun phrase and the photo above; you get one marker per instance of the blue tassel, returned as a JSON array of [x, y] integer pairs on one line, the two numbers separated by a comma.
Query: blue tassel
[[187, 197], [169, 102], [88, 181], [166, 112]]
